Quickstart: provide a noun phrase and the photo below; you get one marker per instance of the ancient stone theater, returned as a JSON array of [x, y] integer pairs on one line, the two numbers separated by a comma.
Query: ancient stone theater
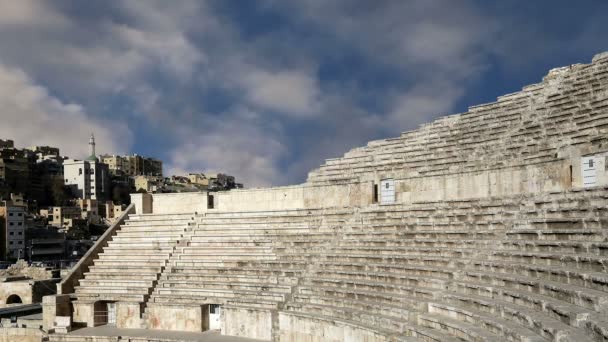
[[489, 225]]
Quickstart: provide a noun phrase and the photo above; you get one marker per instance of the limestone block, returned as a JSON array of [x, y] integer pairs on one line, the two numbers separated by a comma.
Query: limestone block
[[63, 324], [128, 315], [142, 202], [53, 306], [179, 203], [84, 313], [250, 323], [175, 317]]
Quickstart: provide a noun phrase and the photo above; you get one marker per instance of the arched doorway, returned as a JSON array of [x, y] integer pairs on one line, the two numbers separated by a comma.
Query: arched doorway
[[13, 299]]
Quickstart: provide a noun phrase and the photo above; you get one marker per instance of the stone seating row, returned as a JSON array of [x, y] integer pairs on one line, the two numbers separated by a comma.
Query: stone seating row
[[448, 270], [549, 299], [444, 146]]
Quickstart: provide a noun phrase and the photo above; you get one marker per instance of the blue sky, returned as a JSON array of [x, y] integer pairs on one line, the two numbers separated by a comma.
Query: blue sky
[[266, 90]]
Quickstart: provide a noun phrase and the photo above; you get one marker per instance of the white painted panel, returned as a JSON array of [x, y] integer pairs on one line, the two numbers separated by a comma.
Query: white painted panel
[[387, 191], [214, 317], [589, 171], [112, 313]]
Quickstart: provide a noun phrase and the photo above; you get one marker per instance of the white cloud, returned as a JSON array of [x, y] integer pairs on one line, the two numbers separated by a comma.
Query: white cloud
[[31, 116], [170, 49], [292, 92], [400, 63], [29, 12], [231, 145], [421, 104]]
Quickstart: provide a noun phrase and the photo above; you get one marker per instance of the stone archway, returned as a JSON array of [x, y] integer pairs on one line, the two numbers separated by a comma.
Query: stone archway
[[13, 299]]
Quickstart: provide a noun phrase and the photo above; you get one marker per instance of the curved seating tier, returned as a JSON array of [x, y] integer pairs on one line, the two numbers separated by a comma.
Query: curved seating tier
[[569, 108], [523, 268]]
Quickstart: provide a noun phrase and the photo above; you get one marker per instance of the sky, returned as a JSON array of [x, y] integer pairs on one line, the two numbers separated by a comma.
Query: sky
[[266, 90]]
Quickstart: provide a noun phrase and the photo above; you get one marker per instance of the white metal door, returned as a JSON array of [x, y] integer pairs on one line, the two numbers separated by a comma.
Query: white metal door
[[387, 191], [214, 317], [112, 313], [589, 171]]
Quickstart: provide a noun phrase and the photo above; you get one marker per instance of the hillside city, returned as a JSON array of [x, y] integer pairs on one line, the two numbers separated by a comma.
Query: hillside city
[[53, 207]]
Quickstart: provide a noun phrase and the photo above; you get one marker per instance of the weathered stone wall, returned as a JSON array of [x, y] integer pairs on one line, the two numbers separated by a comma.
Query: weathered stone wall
[[23, 289], [294, 197], [296, 328], [53, 306], [542, 177], [186, 202], [21, 335], [182, 317], [247, 322], [128, 315], [142, 203], [534, 178]]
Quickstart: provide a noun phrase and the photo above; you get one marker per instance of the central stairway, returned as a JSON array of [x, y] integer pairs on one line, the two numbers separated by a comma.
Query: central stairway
[[129, 267]]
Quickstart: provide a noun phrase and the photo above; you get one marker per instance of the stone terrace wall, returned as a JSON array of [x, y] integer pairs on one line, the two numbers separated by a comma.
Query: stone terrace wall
[[295, 197]]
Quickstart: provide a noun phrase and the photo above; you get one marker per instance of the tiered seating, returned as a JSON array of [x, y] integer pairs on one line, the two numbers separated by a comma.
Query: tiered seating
[[129, 266], [519, 129], [459, 270], [526, 268], [231, 258]]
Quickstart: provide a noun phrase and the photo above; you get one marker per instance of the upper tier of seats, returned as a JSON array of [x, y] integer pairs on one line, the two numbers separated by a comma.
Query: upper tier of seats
[[569, 108]]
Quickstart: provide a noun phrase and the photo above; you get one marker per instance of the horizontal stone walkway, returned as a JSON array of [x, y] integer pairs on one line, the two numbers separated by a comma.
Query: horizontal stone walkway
[[207, 336]]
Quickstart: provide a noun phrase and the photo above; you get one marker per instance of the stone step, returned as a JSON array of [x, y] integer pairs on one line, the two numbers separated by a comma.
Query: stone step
[[374, 319], [163, 252], [213, 285], [229, 277], [130, 262], [444, 321], [202, 294], [126, 282], [153, 217], [409, 301], [394, 311], [229, 244], [113, 290], [576, 295], [145, 244], [113, 297], [182, 222], [579, 261], [249, 230], [393, 269], [288, 272], [147, 256], [557, 234], [546, 326], [124, 267], [152, 229], [224, 256], [106, 275], [228, 250]]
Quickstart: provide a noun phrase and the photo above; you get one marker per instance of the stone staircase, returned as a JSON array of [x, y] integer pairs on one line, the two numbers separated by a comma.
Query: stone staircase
[[231, 259], [129, 267]]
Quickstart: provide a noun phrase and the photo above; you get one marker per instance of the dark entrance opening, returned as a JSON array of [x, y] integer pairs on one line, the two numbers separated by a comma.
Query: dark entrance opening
[[13, 299]]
